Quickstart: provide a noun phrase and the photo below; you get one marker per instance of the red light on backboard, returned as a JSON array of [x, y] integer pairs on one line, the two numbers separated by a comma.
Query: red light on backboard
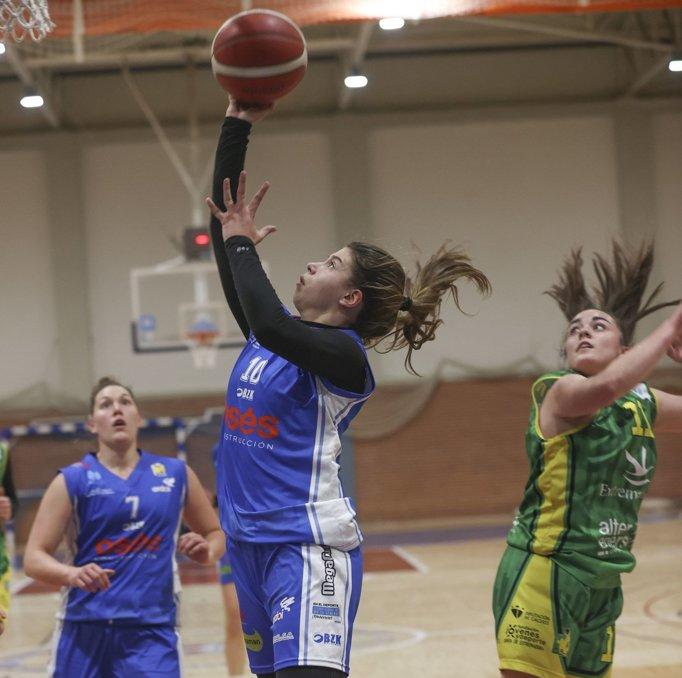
[[201, 239]]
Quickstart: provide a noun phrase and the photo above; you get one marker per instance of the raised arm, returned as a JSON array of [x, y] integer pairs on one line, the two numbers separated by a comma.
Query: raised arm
[[324, 351], [229, 162], [575, 398]]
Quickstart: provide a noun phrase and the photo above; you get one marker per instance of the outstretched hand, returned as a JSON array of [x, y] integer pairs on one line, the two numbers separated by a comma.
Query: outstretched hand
[[675, 349], [238, 217], [249, 112]]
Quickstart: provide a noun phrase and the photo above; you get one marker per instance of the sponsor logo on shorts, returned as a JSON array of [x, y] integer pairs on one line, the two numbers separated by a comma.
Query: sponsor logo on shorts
[[279, 637], [326, 611], [527, 636], [328, 585], [284, 606], [529, 615], [253, 641], [327, 638]]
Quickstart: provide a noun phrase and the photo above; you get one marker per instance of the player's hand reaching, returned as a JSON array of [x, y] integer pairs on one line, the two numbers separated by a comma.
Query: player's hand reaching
[[675, 349], [90, 577], [238, 217], [194, 546], [5, 506], [250, 113]]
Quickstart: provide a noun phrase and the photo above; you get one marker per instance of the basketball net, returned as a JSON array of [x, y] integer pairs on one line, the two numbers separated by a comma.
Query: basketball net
[[20, 18], [203, 347]]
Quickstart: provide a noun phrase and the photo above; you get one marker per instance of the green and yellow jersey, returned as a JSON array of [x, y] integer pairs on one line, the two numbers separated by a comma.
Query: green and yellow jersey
[[586, 485]]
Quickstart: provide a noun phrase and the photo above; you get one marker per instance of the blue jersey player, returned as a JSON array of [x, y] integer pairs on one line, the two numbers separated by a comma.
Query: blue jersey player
[[120, 510], [294, 540]]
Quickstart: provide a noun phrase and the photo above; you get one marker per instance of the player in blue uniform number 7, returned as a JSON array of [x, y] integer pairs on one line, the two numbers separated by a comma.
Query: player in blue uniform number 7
[[293, 538], [120, 509]]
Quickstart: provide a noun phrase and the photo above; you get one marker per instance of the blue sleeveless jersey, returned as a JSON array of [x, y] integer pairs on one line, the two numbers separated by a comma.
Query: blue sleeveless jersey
[[130, 526], [277, 463]]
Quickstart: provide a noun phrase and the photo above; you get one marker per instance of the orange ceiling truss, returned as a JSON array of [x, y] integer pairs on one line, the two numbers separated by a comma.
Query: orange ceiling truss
[[115, 17]]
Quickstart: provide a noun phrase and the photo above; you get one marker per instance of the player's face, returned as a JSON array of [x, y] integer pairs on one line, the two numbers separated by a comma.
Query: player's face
[[115, 418], [324, 283], [592, 342]]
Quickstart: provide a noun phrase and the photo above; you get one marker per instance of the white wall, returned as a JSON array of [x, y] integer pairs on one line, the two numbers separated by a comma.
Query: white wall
[[517, 190], [27, 327], [517, 195]]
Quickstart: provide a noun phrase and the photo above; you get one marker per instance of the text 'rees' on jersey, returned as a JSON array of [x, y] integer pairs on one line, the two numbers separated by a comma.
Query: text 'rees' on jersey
[[277, 468], [130, 526], [586, 485]]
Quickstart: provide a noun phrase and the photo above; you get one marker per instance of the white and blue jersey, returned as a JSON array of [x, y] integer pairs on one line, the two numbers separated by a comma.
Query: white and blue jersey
[[130, 526], [277, 467]]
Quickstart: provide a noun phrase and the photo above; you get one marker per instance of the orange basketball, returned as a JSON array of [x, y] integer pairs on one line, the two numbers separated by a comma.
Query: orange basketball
[[259, 56]]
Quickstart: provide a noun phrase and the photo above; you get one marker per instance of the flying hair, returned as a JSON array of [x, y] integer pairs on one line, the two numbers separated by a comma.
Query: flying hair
[[619, 290], [399, 312]]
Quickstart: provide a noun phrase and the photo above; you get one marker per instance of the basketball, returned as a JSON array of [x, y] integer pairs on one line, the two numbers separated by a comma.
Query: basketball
[[258, 56]]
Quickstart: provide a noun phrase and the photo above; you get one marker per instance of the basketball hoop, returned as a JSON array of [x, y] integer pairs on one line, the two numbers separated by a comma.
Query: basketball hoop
[[202, 341], [20, 18]]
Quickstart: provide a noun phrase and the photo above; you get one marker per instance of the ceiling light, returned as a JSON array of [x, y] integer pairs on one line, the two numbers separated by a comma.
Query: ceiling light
[[675, 64], [391, 23], [2, 48], [355, 81], [31, 99]]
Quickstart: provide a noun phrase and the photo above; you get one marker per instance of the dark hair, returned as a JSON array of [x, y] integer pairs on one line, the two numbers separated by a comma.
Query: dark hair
[[620, 286], [403, 312], [102, 383]]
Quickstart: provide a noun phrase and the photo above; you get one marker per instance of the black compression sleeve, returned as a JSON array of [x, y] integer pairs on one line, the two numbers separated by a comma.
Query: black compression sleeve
[[325, 351], [229, 162]]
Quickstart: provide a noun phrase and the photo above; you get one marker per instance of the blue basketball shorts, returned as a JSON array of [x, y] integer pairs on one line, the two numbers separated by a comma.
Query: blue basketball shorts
[[225, 570], [298, 603], [103, 650]]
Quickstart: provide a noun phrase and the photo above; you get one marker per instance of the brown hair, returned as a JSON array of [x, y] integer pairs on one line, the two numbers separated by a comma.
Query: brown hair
[[403, 312], [620, 287], [103, 383]]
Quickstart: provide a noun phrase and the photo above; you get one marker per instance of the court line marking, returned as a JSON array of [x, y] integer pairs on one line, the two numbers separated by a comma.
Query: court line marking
[[411, 559], [652, 615], [417, 637]]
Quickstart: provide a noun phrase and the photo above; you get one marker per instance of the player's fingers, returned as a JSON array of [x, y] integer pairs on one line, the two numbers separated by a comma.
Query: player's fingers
[[215, 210], [241, 188], [198, 546], [227, 192], [258, 198]]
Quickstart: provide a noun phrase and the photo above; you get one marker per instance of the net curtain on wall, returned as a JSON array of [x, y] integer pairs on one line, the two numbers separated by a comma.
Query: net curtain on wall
[[109, 17]]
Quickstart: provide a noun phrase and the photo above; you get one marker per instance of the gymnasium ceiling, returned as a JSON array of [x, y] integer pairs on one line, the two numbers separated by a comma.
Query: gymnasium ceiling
[[469, 61]]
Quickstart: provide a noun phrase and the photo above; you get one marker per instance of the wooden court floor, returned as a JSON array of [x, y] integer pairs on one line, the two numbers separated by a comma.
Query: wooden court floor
[[432, 620]]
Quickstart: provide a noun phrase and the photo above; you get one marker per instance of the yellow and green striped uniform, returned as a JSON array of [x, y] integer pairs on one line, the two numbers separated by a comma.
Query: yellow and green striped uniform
[[586, 485], [4, 558]]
